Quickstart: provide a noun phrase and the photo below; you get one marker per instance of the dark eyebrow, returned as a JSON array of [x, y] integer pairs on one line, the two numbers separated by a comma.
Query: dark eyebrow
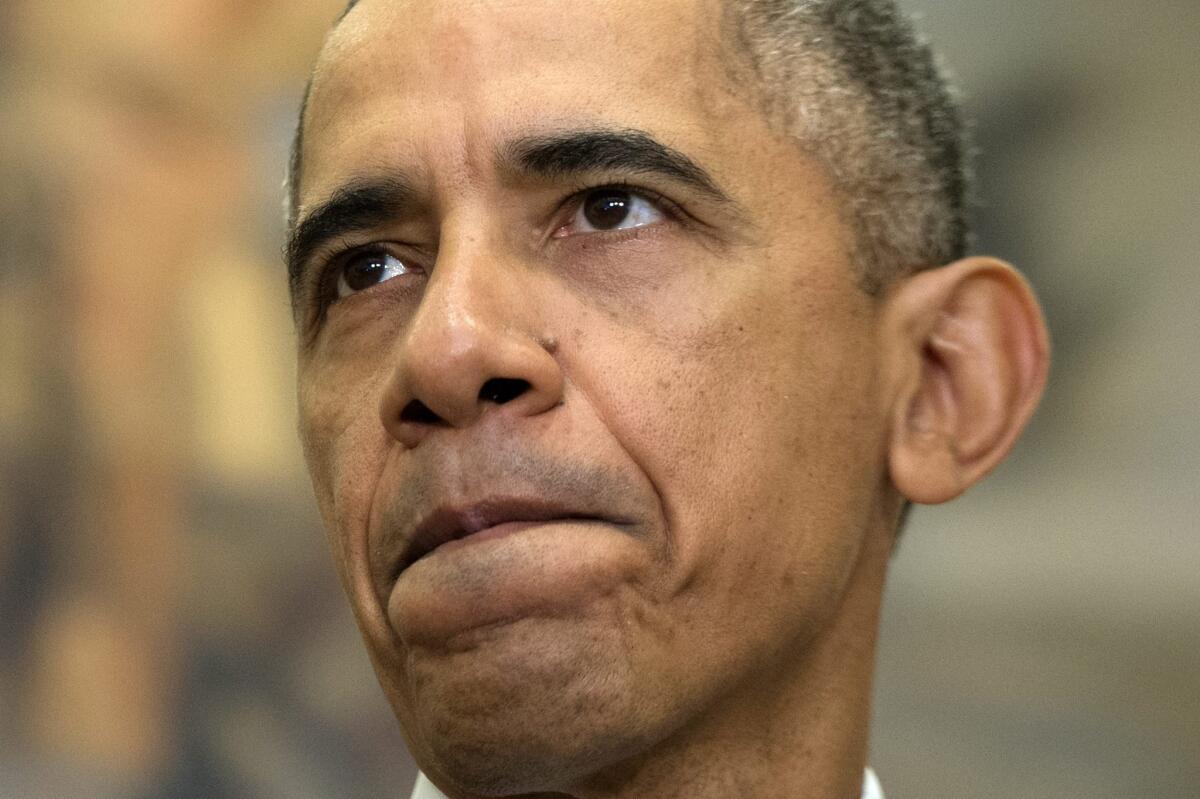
[[367, 203], [558, 155], [359, 205]]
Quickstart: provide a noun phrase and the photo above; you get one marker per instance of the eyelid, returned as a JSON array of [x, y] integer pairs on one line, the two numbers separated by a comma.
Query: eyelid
[[341, 274], [320, 291], [672, 210]]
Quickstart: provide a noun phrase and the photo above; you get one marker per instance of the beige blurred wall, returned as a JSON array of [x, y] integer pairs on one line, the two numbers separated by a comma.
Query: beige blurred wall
[[169, 623], [155, 511]]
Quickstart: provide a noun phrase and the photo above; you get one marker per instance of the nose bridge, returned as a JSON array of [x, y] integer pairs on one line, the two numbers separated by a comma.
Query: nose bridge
[[462, 301], [476, 341]]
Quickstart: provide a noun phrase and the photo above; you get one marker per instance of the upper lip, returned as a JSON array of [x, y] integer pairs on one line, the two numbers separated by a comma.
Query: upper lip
[[449, 522]]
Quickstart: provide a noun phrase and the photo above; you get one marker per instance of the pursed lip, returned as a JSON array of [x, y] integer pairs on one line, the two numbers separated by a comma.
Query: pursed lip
[[447, 523]]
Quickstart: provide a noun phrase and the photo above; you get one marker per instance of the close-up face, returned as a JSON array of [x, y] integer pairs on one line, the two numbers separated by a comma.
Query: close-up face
[[587, 383]]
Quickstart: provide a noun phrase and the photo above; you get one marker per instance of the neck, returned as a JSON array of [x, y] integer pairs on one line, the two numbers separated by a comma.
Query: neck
[[799, 730]]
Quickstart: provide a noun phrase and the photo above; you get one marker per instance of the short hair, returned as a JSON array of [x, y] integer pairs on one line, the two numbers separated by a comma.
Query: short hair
[[856, 87]]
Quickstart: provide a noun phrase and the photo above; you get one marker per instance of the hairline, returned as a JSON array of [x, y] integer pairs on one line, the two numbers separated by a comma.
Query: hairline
[[879, 239]]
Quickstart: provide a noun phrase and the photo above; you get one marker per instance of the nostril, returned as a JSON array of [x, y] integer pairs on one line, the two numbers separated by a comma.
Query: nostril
[[502, 389], [417, 411]]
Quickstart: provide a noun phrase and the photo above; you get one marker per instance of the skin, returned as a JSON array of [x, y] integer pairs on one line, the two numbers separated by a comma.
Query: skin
[[736, 419]]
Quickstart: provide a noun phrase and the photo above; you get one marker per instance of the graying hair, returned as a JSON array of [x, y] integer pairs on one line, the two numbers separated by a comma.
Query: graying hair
[[855, 85], [857, 88]]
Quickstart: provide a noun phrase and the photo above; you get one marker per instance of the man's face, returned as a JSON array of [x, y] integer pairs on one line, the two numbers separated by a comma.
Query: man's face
[[645, 383]]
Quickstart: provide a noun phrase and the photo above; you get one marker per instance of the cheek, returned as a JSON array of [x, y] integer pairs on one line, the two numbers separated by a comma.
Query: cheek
[[755, 424], [345, 447]]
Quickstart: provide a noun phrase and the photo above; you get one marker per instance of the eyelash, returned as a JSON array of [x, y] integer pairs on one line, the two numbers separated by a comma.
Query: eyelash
[[332, 271], [325, 290], [671, 209]]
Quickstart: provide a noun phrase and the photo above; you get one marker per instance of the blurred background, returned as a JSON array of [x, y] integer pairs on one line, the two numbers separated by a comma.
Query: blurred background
[[169, 623]]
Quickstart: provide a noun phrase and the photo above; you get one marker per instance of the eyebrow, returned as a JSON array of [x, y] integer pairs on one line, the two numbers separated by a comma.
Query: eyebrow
[[577, 152], [364, 204], [357, 206]]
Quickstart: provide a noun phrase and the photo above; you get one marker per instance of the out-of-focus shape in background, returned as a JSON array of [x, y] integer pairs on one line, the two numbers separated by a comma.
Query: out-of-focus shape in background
[[169, 624], [1042, 635]]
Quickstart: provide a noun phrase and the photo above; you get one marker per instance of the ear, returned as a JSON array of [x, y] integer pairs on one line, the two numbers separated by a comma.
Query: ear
[[966, 355]]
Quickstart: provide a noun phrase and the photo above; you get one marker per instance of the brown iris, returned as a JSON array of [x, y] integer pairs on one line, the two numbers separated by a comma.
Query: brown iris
[[364, 271], [606, 208]]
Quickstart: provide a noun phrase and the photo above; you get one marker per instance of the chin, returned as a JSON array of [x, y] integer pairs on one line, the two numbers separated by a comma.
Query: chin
[[535, 705]]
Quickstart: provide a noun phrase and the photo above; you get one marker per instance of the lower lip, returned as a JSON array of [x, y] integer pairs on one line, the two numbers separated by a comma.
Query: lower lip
[[487, 534], [509, 572]]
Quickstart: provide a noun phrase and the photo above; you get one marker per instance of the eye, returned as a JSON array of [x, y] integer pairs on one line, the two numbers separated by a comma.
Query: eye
[[365, 269], [610, 209]]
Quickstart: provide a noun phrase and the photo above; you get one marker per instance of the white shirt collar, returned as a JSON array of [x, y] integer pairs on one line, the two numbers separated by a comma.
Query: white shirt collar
[[425, 789]]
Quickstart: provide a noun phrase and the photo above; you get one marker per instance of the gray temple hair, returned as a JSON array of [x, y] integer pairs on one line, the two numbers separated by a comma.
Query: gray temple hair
[[857, 88]]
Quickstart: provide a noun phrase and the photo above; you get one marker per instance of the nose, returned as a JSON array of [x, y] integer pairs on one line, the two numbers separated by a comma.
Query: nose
[[472, 348]]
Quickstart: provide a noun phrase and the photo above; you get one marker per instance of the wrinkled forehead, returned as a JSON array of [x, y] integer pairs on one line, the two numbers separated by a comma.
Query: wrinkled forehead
[[469, 72]]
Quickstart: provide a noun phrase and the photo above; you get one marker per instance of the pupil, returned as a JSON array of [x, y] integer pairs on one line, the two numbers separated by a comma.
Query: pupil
[[364, 272], [606, 209]]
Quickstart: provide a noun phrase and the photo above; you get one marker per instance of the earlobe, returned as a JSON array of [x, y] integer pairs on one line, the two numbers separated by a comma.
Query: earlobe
[[968, 354]]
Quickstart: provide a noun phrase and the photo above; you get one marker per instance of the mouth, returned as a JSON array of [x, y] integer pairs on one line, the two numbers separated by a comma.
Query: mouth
[[479, 521]]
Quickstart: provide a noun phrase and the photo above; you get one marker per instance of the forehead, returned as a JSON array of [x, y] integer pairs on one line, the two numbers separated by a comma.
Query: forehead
[[408, 81]]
